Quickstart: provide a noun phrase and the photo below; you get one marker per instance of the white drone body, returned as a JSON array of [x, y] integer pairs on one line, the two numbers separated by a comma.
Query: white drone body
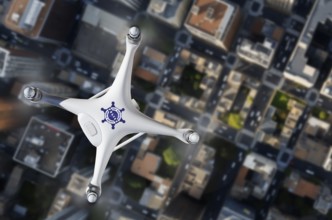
[[110, 115]]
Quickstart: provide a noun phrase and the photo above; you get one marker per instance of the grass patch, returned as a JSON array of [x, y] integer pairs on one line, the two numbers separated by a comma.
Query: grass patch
[[232, 119], [235, 121], [189, 83]]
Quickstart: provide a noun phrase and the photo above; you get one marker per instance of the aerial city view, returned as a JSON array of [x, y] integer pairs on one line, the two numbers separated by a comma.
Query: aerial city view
[[252, 77]]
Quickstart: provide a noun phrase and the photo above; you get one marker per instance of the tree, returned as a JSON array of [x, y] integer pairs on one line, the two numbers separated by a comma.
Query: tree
[[322, 115], [170, 157]]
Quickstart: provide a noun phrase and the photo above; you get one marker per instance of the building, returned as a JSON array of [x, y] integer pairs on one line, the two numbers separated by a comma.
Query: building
[[321, 194], [327, 87], [53, 88], [233, 209], [71, 213], [170, 11], [49, 21], [261, 49], [170, 119], [182, 207], [275, 214], [215, 21], [284, 6], [298, 69], [194, 78], [146, 165], [310, 145], [11, 114], [254, 177], [99, 34], [324, 201], [301, 187], [199, 172], [85, 83], [60, 202], [14, 181], [296, 110], [21, 63], [135, 5], [258, 53], [151, 65], [44, 146]]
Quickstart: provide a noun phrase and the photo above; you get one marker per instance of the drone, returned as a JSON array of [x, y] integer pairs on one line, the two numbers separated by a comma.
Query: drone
[[110, 115]]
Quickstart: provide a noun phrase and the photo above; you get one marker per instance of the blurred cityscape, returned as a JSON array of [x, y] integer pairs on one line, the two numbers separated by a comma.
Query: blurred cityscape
[[254, 78]]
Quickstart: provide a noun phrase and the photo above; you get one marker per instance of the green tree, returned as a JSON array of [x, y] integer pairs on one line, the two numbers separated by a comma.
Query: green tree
[[170, 157], [322, 115]]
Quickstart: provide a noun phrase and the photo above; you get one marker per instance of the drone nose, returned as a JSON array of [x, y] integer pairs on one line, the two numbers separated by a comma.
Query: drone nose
[[32, 93]]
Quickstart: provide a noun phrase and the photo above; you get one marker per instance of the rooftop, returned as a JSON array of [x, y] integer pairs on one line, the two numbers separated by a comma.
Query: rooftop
[[146, 166], [297, 69], [171, 12], [235, 210], [27, 17], [211, 16], [98, 35], [44, 146], [301, 187]]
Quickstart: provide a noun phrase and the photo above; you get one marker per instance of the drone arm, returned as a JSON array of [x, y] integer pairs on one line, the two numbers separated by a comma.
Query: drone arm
[[36, 95], [147, 125], [104, 152], [122, 82]]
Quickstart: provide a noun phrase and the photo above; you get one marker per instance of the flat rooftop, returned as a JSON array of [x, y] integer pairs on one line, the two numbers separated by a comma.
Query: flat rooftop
[[210, 16], [43, 146], [95, 45], [320, 13], [27, 17]]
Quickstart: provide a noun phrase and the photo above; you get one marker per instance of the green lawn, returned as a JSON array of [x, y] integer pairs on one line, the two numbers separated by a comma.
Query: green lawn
[[233, 119]]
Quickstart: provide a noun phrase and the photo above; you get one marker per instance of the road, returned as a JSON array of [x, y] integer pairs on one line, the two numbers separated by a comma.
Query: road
[[258, 108], [217, 91], [225, 181]]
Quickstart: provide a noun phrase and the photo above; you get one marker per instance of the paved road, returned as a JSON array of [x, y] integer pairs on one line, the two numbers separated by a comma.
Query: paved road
[[258, 108], [217, 91], [225, 181]]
